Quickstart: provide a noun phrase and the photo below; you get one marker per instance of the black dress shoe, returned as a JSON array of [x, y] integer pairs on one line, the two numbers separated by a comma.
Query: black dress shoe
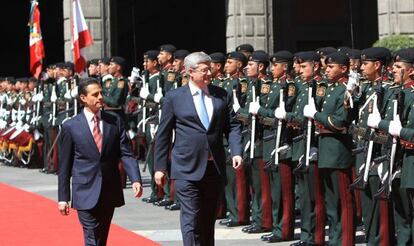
[[257, 229], [173, 207], [266, 236], [273, 239], [150, 199], [233, 223], [163, 203], [224, 222], [245, 229]]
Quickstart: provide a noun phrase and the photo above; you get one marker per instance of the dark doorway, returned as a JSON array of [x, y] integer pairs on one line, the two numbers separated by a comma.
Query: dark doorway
[[14, 44], [187, 24], [307, 25]]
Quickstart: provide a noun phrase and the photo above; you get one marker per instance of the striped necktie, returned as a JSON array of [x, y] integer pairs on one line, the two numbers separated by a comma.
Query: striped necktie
[[97, 135]]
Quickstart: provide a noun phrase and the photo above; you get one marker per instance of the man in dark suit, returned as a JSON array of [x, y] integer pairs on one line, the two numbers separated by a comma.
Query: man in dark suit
[[200, 114], [92, 144]]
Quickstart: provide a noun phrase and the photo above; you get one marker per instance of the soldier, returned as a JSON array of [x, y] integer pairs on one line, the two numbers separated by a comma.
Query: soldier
[[148, 93], [178, 67], [114, 92], [401, 188], [217, 68], [377, 214], [246, 49], [103, 68], [323, 52], [236, 188], [280, 170], [165, 60], [312, 210], [93, 68], [261, 199], [355, 61], [335, 156]]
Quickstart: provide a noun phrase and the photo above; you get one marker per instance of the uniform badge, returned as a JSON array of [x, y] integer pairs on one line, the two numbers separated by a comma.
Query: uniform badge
[[243, 86], [121, 84], [171, 77], [291, 90], [265, 88], [221, 84], [370, 106], [108, 83], [320, 91]]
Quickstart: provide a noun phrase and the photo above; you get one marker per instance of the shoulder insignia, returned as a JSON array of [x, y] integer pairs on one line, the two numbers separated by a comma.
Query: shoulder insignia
[[121, 84], [291, 90], [243, 86], [320, 91], [220, 83], [265, 88], [242, 79]]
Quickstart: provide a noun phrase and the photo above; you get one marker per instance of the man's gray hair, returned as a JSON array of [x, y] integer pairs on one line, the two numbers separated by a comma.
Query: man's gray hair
[[192, 60]]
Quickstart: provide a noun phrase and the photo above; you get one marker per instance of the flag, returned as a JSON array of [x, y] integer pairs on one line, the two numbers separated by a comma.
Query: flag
[[37, 51], [81, 36]]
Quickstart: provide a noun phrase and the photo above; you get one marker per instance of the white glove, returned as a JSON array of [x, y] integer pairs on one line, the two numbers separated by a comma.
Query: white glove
[[74, 92], [158, 95], [144, 93], [9, 100], [153, 130], [254, 107], [67, 95], [134, 75], [310, 110], [374, 120], [53, 96], [236, 104], [131, 134], [26, 127], [39, 97], [353, 81], [19, 125], [395, 128], [280, 112], [22, 101], [2, 97]]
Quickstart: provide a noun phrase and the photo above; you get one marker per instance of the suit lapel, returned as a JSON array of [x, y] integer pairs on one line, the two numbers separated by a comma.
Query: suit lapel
[[216, 102], [87, 132]]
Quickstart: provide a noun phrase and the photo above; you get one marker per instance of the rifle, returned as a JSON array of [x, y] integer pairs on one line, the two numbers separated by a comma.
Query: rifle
[[385, 190], [361, 181], [144, 109], [303, 165], [253, 129], [53, 95], [75, 102]]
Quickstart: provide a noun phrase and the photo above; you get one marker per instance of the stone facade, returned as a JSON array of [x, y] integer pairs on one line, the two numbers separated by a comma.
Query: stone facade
[[97, 16], [249, 21], [395, 17]]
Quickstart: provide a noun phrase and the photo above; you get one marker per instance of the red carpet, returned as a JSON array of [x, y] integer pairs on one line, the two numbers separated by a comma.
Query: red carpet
[[30, 219]]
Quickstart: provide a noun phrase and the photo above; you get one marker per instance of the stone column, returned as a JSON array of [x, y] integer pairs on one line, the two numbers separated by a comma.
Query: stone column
[[395, 17], [97, 16], [249, 21]]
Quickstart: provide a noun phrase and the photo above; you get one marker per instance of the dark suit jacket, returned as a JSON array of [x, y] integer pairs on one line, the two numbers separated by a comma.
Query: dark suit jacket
[[193, 142], [91, 170]]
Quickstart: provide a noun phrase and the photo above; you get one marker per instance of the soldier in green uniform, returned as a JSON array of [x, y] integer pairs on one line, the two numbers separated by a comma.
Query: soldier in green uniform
[[93, 68], [147, 93], [236, 189], [167, 73], [280, 169], [103, 69], [114, 92], [260, 183], [335, 156], [324, 52], [312, 209], [377, 214], [217, 68], [403, 77]]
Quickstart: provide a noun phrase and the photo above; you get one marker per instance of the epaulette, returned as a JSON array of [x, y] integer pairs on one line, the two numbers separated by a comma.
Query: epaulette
[[107, 77], [242, 79], [60, 80], [266, 80]]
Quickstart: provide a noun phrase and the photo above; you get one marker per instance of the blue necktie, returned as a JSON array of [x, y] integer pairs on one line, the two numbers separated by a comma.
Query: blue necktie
[[202, 113]]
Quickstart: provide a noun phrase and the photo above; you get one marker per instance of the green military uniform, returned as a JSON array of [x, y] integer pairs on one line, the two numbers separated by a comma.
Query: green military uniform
[[309, 186], [335, 158], [281, 175], [115, 91], [376, 214]]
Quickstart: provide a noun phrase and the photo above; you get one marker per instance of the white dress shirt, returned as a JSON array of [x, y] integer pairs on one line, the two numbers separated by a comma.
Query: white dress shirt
[[89, 118], [208, 101]]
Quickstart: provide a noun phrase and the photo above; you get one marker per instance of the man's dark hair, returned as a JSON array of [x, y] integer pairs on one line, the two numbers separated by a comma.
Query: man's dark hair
[[84, 82]]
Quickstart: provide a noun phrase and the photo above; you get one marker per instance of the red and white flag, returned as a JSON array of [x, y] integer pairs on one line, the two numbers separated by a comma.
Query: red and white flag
[[81, 36], [37, 51]]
